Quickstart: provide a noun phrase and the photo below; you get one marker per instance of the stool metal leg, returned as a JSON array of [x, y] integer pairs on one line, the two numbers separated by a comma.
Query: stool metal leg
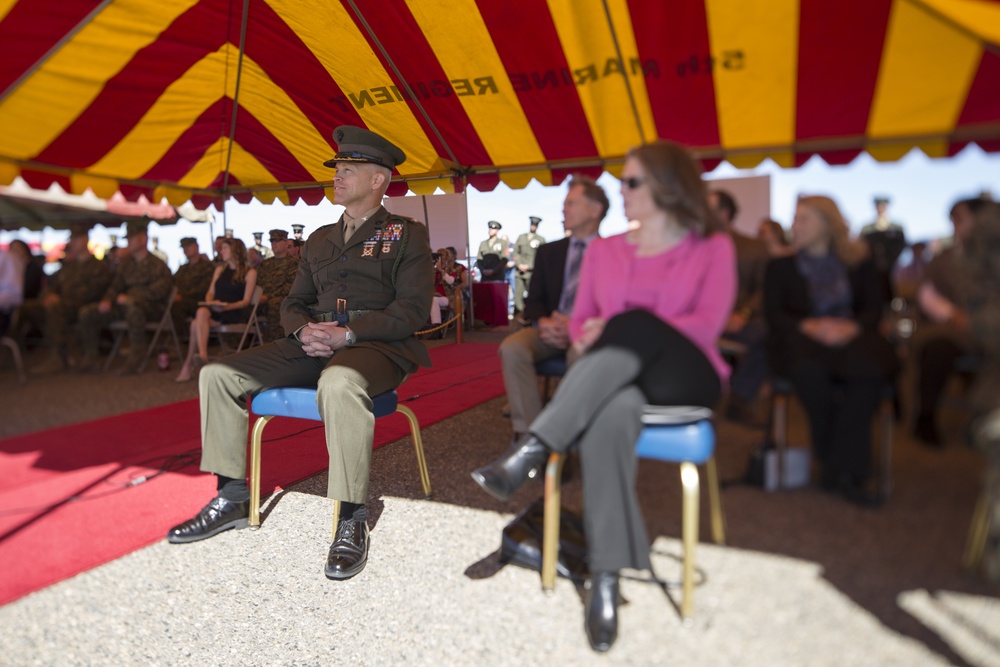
[[258, 432], [715, 502], [978, 530], [418, 447], [550, 530], [886, 416], [779, 419], [689, 531]]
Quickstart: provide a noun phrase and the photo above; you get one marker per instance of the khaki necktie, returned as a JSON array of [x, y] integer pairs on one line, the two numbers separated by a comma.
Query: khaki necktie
[[349, 227]]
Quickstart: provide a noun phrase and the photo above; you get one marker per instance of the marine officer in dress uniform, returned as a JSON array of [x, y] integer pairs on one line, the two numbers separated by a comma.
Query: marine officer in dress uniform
[[494, 245], [363, 288], [525, 248], [258, 245]]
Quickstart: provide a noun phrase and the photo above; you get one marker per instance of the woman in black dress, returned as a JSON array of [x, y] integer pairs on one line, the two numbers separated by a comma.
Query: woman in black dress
[[823, 306], [227, 302]]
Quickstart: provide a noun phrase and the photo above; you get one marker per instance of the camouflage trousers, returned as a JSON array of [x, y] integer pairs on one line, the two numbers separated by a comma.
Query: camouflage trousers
[[272, 310], [52, 320], [135, 314]]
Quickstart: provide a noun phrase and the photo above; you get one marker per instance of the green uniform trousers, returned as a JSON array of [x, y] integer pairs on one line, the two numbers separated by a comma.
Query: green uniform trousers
[[345, 384]]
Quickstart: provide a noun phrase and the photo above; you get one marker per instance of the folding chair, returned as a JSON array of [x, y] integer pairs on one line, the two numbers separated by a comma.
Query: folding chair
[[251, 325], [15, 351], [119, 328]]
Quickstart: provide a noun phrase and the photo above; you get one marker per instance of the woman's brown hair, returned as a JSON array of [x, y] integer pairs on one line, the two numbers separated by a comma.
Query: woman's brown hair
[[675, 181], [239, 251]]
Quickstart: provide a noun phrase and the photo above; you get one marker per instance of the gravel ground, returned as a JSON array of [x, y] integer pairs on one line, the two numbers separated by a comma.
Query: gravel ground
[[805, 578]]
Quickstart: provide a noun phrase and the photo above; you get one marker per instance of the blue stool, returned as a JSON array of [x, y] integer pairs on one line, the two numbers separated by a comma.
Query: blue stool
[[551, 369], [677, 434], [300, 402]]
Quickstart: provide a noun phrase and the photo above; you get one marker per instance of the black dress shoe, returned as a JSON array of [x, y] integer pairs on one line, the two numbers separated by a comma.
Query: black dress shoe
[[861, 493], [602, 610], [521, 462], [218, 515], [349, 551]]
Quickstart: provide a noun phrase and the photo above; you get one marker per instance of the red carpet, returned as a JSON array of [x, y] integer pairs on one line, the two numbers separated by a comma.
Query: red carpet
[[75, 497]]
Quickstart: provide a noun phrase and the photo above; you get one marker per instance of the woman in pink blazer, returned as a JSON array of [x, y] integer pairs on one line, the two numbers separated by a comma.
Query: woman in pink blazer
[[650, 306]]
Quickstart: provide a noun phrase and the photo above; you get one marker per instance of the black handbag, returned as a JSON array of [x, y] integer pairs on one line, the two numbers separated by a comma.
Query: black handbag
[[521, 542]]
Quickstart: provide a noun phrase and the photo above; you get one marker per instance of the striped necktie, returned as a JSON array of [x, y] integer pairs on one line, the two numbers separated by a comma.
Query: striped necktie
[[573, 260]]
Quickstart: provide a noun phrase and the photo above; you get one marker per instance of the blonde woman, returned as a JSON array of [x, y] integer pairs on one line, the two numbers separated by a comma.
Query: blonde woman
[[823, 305], [227, 302]]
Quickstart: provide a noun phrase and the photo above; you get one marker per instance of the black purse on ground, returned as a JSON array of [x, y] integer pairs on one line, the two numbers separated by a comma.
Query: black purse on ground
[[521, 542]]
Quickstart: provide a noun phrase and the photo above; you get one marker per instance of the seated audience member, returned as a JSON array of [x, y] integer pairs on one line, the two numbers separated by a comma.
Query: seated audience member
[[34, 272], [906, 278], [137, 294], [549, 304], [226, 302], [191, 280], [943, 335], [980, 271], [254, 258], [11, 287], [746, 323], [772, 235], [276, 275], [81, 280], [448, 279], [349, 355], [823, 306], [640, 343], [217, 248]]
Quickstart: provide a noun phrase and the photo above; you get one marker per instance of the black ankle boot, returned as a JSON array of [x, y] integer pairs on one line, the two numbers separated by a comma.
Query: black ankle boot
[[521, 462], [602, 610]]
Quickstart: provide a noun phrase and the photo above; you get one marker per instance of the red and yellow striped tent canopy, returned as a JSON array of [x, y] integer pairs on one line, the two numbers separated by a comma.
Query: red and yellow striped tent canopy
[[212, 99]]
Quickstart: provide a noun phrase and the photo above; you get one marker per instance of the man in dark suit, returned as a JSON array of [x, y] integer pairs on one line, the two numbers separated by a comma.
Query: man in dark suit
[[746, 323], [549, 303]]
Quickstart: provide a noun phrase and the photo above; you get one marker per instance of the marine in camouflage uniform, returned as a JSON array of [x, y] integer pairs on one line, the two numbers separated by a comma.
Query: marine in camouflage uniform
[[138, 294], [980, 271], [275, 276], [82, 279], [192, 281], [525, 249]]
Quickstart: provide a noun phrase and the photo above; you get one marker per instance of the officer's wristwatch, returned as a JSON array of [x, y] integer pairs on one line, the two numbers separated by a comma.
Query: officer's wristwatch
[[351, 340]]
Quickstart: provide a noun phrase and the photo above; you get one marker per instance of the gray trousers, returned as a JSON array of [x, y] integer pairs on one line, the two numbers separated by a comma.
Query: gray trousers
[[52, 320], [519, 352], [345, 384], [599, 407]]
